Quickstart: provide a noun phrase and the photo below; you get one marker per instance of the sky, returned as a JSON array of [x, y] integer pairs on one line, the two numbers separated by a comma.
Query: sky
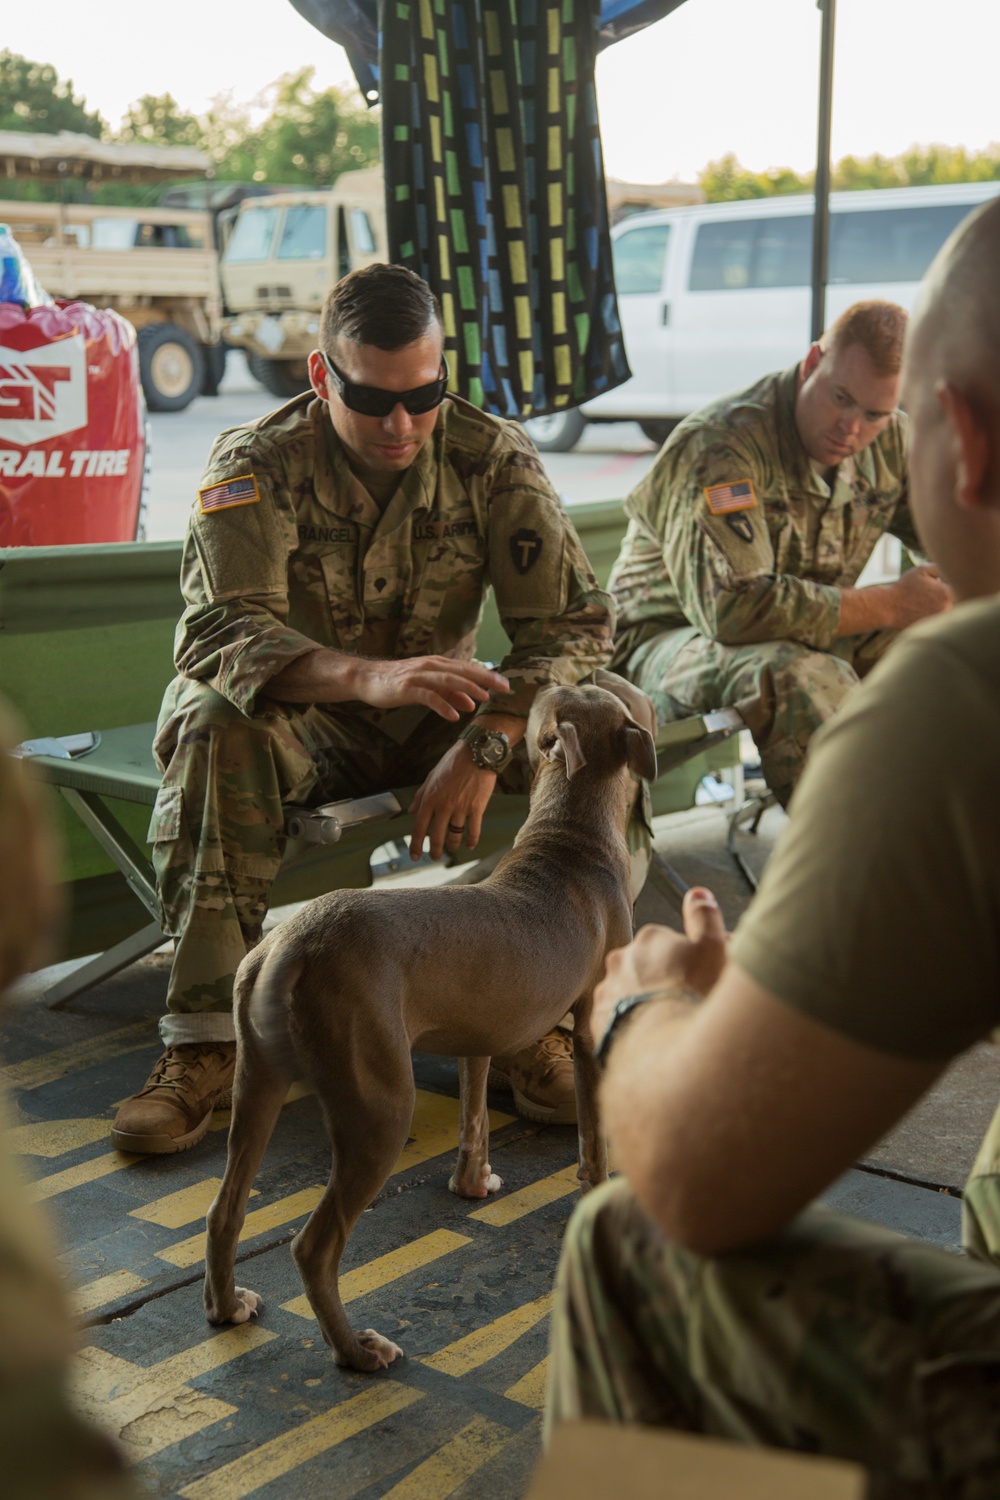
[[714, 77]]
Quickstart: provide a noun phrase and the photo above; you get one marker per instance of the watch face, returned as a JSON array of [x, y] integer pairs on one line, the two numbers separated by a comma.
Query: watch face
[[490, 750]]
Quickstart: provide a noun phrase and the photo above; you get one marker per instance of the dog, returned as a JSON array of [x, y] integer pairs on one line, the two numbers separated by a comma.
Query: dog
[[345, 991]]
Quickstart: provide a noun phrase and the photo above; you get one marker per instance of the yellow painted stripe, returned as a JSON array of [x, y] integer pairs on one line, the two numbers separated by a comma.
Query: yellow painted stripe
[[454, 1462], [51, 1138], [269, 1461], [152, 1408], [435, 1129], [526, 1200], [190, 1251], [184, 1206], [486, 1343], [387, 1268], [59, 1064], [433, 1132], [86, 1171], [531, 1388], [105, 1289]]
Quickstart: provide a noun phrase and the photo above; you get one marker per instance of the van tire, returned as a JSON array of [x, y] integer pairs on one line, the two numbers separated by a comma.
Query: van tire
[[171, 366], [215, 367], [558, 432], [276, 376], [658, 430]]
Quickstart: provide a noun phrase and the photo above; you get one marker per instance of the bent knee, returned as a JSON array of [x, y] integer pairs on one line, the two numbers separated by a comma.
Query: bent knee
[[816, 680]]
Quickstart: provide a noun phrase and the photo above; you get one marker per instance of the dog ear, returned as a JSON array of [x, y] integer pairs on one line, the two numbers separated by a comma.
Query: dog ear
[[563, 743], [640, 752]]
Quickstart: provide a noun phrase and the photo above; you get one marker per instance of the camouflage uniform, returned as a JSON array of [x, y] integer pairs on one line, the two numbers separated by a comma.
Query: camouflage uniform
[[728, 582], [287, 551], [838, 1338]]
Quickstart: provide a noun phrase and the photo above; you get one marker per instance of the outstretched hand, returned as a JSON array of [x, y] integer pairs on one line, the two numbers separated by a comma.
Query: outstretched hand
[[451, 688], [658, 957]]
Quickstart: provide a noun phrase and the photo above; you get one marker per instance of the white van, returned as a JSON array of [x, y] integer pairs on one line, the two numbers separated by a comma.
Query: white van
[[715, 296]]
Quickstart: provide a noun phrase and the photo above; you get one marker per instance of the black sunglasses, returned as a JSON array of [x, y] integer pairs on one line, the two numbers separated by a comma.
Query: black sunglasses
[[372, 401]]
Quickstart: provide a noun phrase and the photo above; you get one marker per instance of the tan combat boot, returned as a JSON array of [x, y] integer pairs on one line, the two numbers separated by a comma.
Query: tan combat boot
[[174, 1108], [541, 1077]]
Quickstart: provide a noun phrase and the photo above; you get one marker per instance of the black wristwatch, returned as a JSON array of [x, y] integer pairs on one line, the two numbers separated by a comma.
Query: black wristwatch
[[628, 1004], [490, 748]]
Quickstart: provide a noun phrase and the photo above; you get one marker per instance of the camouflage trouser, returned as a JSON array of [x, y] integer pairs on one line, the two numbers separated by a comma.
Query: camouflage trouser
[[218, 826], [783, 690], [838, 1338]]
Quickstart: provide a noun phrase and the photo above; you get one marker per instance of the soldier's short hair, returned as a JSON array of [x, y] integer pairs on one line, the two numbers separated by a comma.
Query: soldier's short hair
[[879, 327], [388, 306]]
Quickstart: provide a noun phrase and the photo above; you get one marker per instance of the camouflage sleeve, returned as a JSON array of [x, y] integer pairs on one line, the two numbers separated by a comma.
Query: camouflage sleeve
[[560, 623], [717, 548], [233, 633]]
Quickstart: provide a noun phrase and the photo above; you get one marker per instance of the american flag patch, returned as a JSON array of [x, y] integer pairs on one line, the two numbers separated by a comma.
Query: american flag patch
[[726, 497], [242, 491]]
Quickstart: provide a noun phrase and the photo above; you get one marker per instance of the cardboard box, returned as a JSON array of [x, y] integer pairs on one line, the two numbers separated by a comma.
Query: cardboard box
[[599, 1460]]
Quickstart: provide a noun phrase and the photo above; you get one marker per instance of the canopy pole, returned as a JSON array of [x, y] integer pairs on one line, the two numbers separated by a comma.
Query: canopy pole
[[821, 216]]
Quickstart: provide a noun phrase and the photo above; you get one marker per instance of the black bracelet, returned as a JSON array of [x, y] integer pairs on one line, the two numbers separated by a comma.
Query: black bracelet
[[629, 1003]]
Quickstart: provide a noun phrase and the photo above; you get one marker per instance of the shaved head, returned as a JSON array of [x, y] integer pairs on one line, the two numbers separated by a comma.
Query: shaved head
[[951, 389]]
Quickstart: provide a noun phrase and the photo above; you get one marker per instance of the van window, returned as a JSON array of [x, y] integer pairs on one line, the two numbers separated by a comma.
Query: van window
[[303, 235], [738, 253], [891, 244], [638, 258], [723, 255], [361, 232], [251, 239], [783, 252]]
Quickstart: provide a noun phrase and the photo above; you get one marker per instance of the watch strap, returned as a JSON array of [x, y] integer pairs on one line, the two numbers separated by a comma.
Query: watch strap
[[629, 1003]]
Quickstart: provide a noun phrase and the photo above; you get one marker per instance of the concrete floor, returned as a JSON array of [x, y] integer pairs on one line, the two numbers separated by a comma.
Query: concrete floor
[[216, 1414]]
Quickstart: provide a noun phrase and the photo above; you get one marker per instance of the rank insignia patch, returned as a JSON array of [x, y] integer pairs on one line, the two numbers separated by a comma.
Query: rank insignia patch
[[230, 492], [525, 549], [723, 498]]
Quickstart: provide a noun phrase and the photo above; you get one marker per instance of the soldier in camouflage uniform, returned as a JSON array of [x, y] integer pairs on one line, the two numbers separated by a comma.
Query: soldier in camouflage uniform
[[334, 576], [702, 1292], [736, 580]]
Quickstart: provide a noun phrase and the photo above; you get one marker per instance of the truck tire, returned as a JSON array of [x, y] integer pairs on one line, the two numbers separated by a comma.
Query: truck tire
[[215, 367], [558, 432], [277, 376], [171, 366], [658, 430]]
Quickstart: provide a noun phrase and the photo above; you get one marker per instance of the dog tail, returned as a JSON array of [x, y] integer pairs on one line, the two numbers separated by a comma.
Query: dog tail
[[271, 987]]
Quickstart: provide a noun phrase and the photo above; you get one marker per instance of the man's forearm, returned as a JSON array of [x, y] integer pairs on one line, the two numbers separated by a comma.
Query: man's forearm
[[871, 608], [321, 676]]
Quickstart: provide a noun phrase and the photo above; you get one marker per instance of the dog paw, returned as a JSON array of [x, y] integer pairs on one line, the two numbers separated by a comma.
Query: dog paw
[[246, 1306], [380, 1351], [479, 1185]]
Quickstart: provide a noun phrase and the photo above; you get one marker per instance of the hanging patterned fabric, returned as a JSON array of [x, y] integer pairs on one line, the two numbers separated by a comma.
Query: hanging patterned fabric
[[492, 157]]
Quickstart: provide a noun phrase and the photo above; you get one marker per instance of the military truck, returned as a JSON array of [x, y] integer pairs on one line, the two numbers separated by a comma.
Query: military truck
[[284, 254], [157, 267]]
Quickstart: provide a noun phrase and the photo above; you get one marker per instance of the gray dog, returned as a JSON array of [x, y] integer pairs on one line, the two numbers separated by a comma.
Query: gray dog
[[342, 993]]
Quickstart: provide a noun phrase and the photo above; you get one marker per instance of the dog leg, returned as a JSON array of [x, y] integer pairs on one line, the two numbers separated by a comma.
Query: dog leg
[[473, 1177], [593, 1167], [367, 1135], [258, 1094]]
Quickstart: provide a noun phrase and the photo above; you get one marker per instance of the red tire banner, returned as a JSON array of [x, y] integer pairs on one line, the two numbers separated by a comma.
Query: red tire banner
[[72, 419]]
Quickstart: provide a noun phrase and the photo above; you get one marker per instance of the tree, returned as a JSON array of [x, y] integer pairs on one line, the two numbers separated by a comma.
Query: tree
[[158, 120], [726, 179], [34, 98], [308, 137]]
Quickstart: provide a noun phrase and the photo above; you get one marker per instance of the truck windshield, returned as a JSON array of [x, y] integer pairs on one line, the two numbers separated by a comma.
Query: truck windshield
[[303, 236], [251, 239]]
